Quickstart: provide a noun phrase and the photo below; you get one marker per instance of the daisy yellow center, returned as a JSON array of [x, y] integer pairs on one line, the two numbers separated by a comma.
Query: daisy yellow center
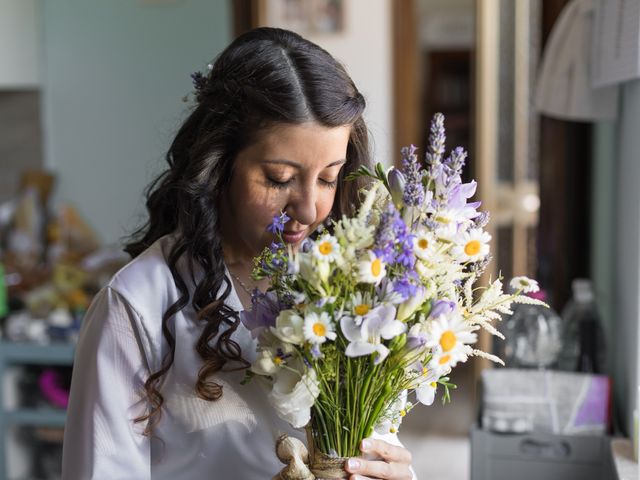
[[393, 430], [403, 413], [423, 243], [325, 248], [472, 247], [434, 384], [448, 340], [361, 309], [376, 267], [425, 370], [319, 329], [277, 360], [445, 359]]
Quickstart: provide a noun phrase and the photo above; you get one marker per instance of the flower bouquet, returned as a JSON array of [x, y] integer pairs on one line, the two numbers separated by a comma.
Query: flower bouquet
[[368, 318]]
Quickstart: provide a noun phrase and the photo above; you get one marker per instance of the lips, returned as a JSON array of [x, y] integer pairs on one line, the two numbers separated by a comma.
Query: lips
[[293, 236]]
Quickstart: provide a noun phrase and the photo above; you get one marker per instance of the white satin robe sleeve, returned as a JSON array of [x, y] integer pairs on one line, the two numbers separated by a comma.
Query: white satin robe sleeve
[[101, 440]]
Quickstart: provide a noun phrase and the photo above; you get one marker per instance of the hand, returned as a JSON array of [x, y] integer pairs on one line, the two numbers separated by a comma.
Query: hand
[[394, 463]]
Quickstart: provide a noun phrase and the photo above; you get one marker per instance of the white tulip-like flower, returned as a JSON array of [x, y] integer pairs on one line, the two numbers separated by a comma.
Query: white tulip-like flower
[[289, 327], [293, 394]]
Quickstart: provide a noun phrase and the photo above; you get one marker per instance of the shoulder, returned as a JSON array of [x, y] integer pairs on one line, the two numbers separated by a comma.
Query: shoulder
[[146, 283]]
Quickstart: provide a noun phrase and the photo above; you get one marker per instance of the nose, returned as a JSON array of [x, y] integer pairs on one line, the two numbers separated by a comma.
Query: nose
[[302, 206]]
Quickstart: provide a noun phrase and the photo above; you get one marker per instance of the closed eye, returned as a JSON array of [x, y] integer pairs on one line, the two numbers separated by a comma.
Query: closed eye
[[281, 184]]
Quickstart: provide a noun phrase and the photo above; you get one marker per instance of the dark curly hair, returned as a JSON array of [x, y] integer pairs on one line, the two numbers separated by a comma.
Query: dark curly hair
[[265, 77]]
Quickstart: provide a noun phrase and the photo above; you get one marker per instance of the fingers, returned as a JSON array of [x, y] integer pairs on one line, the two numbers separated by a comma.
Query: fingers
[[394, 464], [386, 451]]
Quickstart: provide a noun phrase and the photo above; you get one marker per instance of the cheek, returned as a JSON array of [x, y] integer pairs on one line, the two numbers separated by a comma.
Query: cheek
[[255, 202], [325, 204]]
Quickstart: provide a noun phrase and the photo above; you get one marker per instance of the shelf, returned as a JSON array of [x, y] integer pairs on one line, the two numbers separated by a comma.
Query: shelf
[[16, 354], [34, 354], [41, 417]]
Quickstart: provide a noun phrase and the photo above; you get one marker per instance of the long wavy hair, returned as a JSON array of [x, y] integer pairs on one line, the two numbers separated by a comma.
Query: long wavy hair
[[264, 77]]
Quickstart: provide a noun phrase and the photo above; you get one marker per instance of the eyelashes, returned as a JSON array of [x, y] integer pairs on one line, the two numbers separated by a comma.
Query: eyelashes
[[281, 185]]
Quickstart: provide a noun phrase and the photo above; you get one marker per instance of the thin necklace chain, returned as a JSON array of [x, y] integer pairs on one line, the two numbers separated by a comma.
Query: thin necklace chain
[[242, 284]]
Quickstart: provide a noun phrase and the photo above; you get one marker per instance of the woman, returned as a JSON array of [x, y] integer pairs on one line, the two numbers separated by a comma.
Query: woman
[[156, 387]]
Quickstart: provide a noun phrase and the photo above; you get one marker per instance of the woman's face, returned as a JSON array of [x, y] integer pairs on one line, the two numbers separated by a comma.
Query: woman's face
[[290, 168]]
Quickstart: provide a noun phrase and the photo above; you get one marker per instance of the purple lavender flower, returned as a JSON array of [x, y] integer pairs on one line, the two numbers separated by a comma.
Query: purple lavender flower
[[413, 189], [277, 225], [482, 220], [199, 81], [435, 150], [385, 236], [455, 162], [404, 286]]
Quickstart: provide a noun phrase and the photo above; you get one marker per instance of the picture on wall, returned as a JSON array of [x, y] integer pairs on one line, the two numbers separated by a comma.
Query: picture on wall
[[304, 16]]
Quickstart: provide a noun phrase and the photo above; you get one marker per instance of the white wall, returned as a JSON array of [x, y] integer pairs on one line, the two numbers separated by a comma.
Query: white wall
[[364, 47], [626, 338], [115, 74], [20, 43]]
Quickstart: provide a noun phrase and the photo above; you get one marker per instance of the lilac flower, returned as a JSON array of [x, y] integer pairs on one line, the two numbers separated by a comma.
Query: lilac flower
[[306, 245], [366, 338], [397, 184], [415, 341], [435, 150], [315, 351], [442, 307], [413, 190], [277, 225], [265, 307]]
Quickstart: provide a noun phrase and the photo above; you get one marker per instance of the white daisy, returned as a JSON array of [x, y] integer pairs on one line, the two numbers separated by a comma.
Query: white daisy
[[472, 245], [450, 332], [372, 269], [424, 244], [326, 248], [445, 361], [318, 328], [359, 306], [527, 285]]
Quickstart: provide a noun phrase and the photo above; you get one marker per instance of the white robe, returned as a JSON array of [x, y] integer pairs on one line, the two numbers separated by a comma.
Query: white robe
[[120, 343]]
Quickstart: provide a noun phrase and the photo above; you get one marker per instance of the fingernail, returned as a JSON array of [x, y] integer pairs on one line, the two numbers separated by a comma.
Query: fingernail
[[353, 464], [366, 445]]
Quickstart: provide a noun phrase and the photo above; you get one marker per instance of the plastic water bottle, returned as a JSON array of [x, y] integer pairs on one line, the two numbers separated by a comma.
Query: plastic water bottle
[[582, 335], [532, 336]]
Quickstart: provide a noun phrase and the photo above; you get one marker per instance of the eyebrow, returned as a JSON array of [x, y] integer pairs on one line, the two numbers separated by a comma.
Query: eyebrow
[[297, 165]]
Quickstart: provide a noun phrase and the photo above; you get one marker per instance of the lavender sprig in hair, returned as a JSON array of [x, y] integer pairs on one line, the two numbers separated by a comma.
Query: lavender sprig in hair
[[199, 81]]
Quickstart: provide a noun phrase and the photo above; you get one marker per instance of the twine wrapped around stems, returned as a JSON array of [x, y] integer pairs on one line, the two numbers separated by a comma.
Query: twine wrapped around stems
[[304, 466]]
